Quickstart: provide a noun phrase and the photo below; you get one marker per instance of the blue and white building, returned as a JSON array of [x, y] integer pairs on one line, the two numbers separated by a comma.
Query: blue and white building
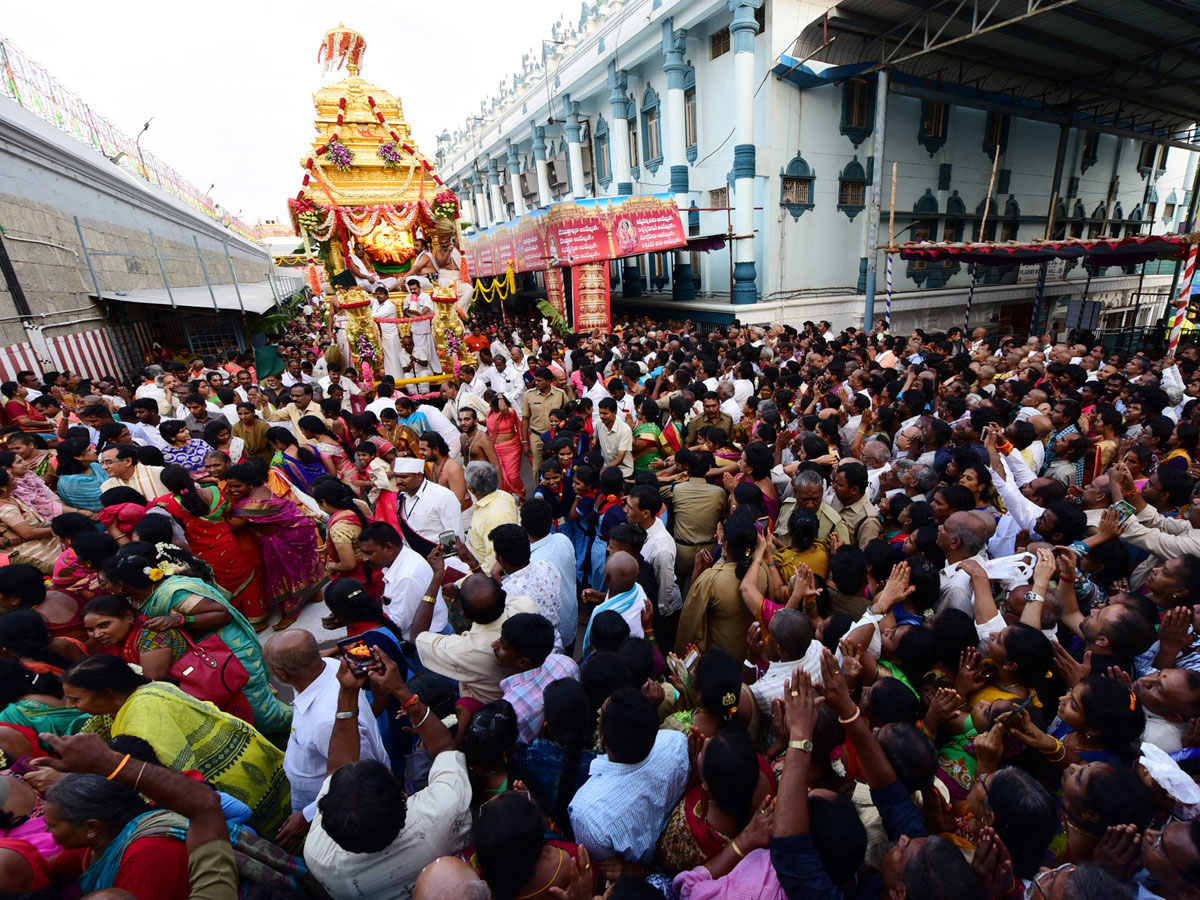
[[777, 123]]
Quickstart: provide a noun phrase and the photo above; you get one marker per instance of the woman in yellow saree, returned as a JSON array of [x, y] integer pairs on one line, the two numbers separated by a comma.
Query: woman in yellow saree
[[186, 734]]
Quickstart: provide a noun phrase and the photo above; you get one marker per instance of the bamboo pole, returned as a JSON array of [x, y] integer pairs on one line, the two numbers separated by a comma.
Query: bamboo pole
[[987, 201], [1053, 210], [1108, 205]]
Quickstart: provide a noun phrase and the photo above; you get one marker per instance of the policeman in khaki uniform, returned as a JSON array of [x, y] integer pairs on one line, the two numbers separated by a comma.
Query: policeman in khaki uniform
[[535, 414]]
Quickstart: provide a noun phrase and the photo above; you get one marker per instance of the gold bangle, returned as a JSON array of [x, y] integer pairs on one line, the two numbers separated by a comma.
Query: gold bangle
[[736, 849], [118, 769]]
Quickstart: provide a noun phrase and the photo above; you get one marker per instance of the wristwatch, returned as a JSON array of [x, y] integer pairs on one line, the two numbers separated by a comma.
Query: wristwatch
[[805, 745], [353, 714], [428, 598]]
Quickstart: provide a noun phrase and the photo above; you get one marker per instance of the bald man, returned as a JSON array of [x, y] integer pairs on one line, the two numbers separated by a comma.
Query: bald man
[[450, 878], [791, 646], [625, 596], [963, 536], [295, 660]]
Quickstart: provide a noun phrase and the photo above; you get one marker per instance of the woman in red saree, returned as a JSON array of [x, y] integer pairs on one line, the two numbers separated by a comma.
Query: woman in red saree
[[201, 509], [504, 430], [285, 537]]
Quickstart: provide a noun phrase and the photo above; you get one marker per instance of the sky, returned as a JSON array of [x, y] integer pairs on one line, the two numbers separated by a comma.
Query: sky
[[230, 84]]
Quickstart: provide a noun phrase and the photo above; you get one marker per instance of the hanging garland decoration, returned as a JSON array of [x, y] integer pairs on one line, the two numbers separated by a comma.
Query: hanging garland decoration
[[501, 288], [408, 147]]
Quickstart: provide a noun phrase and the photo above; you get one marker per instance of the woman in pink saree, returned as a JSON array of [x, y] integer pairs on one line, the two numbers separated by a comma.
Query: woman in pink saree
[[287, 539], [505, 431]]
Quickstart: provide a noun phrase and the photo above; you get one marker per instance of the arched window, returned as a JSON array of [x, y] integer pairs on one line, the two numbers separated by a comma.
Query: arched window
[[923, 229], [858, 108], [993, 214], [601, 151], [1059, 231], [1134, 223], [935, 117], [954, 228], [651, 135], [796, 187], [852, 189], [1078, 220], [1011, 221], [1097, 223], [691, 124]]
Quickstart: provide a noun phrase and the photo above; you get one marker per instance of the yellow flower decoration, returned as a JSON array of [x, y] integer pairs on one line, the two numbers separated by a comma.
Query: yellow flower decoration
[[155, 574]]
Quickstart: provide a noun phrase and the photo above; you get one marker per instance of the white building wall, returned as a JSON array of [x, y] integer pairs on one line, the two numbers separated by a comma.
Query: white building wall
[[810, 267]]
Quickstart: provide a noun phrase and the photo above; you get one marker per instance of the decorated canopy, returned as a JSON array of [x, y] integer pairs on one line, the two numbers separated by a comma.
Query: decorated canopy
[[365, 179], [1113, 251]]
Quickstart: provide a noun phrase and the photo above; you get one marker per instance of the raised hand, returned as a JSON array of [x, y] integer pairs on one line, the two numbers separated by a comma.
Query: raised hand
[[971, 676], [1071, 670]]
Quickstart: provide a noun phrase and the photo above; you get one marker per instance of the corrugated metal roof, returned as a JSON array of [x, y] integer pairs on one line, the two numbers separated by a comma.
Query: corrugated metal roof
[[1127, 64]]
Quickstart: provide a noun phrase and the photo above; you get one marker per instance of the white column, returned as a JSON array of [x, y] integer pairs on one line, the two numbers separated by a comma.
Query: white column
[[743, 29], [674, 45], [499, 214], [545, 197], [579, 188], [618, 141], [483, 217], [514, 180]]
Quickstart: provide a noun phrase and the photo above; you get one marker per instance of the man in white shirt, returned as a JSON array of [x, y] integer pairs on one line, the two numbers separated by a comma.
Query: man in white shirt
[[335, 377], [642, 506], [294, 659], [504, 379], [385, 398], [369, 839], [616, 438], [448, 430], [406, 576], [427, 507], [459, 398], [791, 646], [537, 518], [963, 536], [294, 374], [729, 406]]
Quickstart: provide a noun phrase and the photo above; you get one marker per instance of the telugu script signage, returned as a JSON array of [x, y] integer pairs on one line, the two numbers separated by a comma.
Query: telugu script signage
[[576, 232]]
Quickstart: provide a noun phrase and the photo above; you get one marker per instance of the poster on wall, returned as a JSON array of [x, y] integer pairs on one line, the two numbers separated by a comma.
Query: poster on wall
[[589, 293]]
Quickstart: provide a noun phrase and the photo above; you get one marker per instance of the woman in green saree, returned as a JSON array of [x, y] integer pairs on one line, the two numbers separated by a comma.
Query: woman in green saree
[[649, 446], [30, 704], [161, 583]]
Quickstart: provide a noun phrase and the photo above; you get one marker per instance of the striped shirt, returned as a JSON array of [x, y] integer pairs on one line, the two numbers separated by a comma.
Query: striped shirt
[[623, 807]]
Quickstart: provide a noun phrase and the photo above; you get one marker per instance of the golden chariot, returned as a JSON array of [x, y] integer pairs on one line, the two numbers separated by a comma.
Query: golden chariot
[[368, 190]]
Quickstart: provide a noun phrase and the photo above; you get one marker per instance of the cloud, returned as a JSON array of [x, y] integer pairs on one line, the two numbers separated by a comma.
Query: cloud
[[230, 84]]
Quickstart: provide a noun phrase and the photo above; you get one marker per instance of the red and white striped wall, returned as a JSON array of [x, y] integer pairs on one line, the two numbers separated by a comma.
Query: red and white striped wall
[[17, 358], [89, 353]]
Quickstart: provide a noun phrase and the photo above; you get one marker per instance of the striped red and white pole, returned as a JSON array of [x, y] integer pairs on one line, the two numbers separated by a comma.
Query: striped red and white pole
[[1183, 297], [887, 309]]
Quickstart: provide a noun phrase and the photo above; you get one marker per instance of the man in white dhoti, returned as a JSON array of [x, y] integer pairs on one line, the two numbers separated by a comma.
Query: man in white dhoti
[[418, 303], [382, 307], [448, 259], [364, 273]]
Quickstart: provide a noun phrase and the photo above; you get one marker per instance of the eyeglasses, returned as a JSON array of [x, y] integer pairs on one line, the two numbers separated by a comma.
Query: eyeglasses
[[1035, 890]]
